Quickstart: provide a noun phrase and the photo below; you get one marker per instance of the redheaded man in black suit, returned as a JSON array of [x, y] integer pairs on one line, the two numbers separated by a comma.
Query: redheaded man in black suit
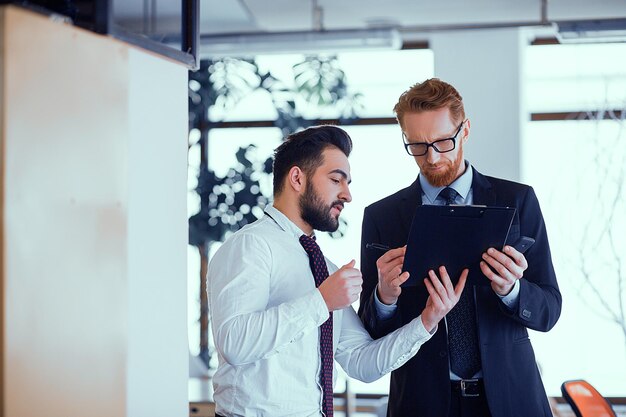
[[480, 362]]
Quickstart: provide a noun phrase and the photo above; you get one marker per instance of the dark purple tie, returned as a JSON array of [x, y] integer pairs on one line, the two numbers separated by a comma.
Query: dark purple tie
[[320, 273], [461, 321]]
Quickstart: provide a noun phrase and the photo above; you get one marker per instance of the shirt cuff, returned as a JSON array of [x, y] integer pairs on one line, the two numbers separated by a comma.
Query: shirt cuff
[[320, 310], [511, 299], [411, 337], [383, 311]]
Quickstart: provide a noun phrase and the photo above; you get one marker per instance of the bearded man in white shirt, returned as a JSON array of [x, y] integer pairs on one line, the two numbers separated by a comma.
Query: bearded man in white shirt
[[281, 313]]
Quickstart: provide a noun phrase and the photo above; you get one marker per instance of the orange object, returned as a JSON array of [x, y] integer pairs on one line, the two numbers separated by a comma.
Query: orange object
[[585, 400]]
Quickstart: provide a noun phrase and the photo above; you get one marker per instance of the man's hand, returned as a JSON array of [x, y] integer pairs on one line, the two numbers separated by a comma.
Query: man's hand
[[390, 275], [443, 296], [509, 266], [342, 288]]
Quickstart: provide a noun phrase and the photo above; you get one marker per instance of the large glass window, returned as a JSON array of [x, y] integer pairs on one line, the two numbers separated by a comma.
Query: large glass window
[[578, 169]]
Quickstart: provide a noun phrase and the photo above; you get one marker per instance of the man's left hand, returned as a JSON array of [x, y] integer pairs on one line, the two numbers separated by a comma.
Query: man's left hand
[[509, 266]]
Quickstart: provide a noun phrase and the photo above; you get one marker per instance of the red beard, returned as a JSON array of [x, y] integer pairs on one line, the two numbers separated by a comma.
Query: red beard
[[443, 178]]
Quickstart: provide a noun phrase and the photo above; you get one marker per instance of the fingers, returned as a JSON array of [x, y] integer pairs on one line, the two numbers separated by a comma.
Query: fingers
[[351, 275], [392, 254], [517, 257], [431, 290], [437, 290], [507, 267], [496, 279], [349, 264], [503, 270], [442, 289], [445, 279], [401, 279], [461, 284], [390, 275], [341, 288], [390, 259], [442, 296], [389, 265]]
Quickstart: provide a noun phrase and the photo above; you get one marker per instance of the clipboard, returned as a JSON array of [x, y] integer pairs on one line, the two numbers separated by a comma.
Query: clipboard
[[456, 237]]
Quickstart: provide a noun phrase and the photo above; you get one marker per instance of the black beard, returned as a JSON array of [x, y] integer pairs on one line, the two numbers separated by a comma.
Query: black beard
[[315, 212]]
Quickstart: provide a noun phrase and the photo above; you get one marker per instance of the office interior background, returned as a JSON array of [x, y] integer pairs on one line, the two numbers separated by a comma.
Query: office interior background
[[544, 85]]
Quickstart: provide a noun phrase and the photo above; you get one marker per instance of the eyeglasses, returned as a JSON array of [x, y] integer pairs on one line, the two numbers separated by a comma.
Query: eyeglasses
[[440, 145]]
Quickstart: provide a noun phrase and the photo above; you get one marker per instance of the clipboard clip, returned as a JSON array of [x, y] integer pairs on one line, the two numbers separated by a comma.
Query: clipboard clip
[[475, 212]]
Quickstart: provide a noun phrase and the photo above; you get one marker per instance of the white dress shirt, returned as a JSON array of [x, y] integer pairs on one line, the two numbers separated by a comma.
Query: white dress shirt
[[266, 313]]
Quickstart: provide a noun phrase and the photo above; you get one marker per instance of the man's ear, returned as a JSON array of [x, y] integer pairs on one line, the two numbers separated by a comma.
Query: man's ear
[[466, 131], [296, 179]]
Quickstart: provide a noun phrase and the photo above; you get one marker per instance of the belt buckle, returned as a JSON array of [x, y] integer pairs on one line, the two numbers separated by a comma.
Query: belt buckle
[[469, 388]]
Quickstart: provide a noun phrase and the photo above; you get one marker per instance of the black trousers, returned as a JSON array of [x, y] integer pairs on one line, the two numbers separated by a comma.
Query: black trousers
[[468, 399]]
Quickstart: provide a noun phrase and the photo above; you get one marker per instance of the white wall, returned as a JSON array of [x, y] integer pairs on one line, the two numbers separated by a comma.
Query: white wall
[[93, 293], [158, 357], [486, 67]]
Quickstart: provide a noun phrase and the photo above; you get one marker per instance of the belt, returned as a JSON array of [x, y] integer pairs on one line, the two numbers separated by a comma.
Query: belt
[[468, 387]]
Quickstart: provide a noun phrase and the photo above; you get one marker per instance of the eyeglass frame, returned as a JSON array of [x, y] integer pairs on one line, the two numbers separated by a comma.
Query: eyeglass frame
[[432, 144]]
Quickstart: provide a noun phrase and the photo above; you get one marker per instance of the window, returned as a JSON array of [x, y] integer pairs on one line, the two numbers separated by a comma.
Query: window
[[578, 169]]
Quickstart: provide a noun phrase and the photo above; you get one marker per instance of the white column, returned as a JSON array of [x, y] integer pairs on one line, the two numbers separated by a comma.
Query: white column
[[158, 347], [93, 281], [486, 67]]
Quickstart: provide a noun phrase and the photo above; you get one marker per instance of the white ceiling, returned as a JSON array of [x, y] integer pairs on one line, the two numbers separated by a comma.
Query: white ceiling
[[409, 16]]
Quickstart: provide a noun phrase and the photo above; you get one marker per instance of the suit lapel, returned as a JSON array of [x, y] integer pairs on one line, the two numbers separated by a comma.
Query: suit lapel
[[411, 198], [482, 190]]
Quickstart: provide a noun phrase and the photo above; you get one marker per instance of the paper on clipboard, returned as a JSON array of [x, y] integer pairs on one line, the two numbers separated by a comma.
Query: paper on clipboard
[[456, 237]]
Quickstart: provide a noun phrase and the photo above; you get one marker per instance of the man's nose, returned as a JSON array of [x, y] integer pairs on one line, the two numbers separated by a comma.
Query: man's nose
[[345, 194], [432, 155]]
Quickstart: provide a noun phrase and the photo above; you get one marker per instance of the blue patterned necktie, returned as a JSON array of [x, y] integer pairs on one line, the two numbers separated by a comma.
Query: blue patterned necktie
[[448, 195], [461, 321], [320, 273]]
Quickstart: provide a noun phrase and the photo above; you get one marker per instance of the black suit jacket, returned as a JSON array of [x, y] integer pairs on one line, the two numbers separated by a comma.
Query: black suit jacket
[[512, 382]]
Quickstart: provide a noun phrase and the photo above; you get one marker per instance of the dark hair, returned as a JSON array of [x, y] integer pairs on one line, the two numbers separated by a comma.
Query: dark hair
[[304, 150], [432, 94]]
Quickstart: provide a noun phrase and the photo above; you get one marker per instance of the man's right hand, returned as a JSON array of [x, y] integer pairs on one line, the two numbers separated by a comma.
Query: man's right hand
[[342, 288], [442, 296], [390, 275]]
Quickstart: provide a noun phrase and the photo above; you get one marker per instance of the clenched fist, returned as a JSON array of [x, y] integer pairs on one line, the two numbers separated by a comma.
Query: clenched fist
[[342, 288]]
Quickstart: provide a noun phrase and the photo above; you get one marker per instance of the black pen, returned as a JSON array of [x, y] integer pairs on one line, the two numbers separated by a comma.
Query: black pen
[[377, 246]]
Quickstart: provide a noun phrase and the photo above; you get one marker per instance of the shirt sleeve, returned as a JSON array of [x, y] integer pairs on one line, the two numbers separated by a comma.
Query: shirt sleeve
[[366, 359], [383, 311], [244, 328], [511, 300]]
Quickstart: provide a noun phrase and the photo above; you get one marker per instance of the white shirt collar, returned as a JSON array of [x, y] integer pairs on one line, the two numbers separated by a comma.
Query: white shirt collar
[[283, 221]]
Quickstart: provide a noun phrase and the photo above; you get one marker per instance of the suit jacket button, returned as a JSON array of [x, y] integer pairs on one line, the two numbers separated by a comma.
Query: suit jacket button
[[443, 353], [526, 313]]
